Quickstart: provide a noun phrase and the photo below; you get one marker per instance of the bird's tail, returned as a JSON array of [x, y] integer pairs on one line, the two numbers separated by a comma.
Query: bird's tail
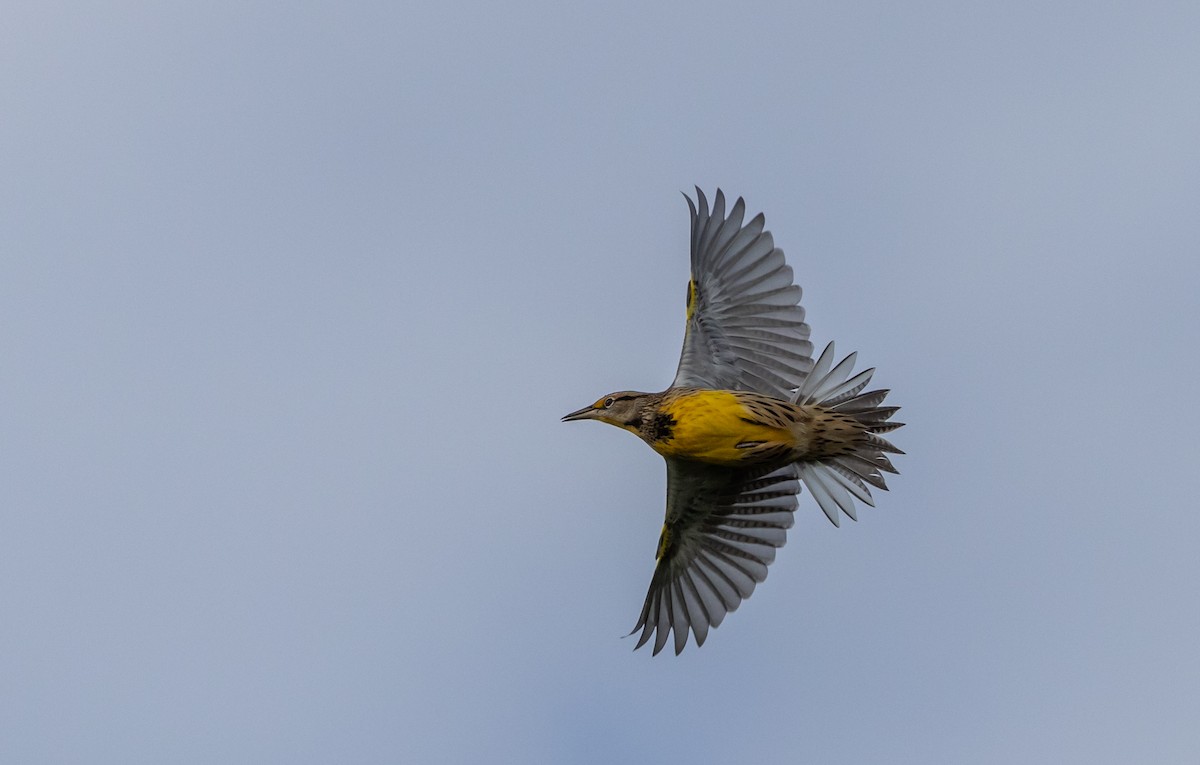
[[859, 462]]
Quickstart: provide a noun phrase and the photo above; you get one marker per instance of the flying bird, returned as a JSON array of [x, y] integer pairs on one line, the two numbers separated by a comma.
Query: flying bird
[[748, 418]]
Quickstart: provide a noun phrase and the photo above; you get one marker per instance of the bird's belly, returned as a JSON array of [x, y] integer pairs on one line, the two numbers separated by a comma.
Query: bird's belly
[[713, 426]]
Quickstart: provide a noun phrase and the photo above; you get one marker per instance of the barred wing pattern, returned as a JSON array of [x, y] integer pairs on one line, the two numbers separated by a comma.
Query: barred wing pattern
[[745, 326], [722, 528]]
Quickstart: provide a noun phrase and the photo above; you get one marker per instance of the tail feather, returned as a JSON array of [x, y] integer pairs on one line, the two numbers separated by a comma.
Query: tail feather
[[835, 482], [849, 389], [887, 426], [853, 483], [881, 444], [865, 469], [831, 495], [860, 402]]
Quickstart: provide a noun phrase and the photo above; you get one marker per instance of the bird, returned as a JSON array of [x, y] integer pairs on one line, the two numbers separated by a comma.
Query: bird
[[748, 419]]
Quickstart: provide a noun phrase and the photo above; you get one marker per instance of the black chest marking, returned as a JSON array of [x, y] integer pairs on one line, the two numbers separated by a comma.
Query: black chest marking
[[658, 426]]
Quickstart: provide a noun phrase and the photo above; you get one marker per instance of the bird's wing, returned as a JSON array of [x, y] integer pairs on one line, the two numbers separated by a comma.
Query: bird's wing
[[745, 324], [722, 528]]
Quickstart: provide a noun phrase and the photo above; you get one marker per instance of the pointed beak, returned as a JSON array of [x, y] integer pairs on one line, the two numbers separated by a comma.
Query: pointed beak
[[585, 413]]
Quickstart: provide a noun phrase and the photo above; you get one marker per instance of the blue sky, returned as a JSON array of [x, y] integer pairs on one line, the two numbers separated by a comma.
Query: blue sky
[[292, 299]]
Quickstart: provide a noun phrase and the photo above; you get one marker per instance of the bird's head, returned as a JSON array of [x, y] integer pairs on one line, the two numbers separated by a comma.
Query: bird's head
[[623, 409]]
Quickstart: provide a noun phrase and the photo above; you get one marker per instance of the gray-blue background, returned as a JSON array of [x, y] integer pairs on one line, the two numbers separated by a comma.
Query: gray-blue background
[[292, 298]]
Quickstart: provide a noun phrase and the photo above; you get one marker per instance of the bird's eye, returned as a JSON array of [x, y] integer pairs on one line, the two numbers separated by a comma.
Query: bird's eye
[[608, 402]]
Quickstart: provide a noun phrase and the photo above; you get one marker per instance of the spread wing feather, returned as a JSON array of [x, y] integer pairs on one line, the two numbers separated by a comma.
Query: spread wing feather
[[722, 528], [745, 327]]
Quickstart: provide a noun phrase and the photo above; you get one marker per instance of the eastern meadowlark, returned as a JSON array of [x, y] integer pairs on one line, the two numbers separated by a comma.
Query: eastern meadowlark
[[748, 418]]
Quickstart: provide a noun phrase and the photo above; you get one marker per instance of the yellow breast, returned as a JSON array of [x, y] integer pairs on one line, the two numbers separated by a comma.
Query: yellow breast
[[715, 426]]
